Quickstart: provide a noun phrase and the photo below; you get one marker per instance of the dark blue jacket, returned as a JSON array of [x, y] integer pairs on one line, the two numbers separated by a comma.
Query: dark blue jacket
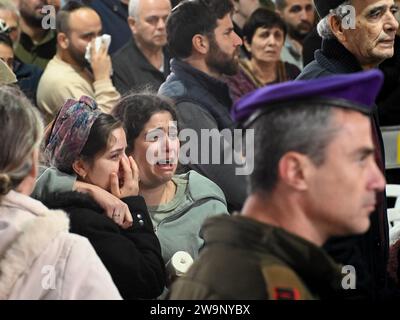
[[28, 76], [187, 84], [114, 15]]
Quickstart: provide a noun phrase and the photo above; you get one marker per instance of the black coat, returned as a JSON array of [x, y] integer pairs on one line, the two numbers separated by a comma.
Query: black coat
[[389, 97], [132, 256], [133, 72], [368, 253], [312, 42]]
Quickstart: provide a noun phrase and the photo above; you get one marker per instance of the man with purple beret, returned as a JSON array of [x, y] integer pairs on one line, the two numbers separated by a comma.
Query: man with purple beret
[[359, 35], [315, 177]]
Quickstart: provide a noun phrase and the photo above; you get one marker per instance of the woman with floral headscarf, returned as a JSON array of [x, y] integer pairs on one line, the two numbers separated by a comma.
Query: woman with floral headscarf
[[90, 144]]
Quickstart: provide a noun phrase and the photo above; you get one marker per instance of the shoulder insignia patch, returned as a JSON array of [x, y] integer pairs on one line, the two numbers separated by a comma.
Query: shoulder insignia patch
[[286, 294], [282, 283]]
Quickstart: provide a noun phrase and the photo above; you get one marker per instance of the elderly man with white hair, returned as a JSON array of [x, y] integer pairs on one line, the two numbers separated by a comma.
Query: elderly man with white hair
[[143, 62], [359, 35]]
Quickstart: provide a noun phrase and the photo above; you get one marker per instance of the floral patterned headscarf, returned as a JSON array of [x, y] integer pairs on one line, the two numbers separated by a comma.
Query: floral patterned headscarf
[[70, 132]]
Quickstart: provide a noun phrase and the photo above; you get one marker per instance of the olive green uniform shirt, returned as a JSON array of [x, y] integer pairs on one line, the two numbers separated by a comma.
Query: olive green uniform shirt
[[247, 260]]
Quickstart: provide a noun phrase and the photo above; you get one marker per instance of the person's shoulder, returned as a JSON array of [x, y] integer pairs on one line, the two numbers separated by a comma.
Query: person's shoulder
[[172, 88], [27, 70], [83, 211], [59, 74], [192, 113], [197, 179], [204, 280], [72, 241], [124, 54], [70, 199], [312, 71], [200, 187], [190, 289], [90, 280]]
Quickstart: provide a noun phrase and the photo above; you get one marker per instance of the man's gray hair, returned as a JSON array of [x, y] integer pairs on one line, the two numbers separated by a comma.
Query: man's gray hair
[[324, 28], [134, 9], [8, 5], [305, 128]]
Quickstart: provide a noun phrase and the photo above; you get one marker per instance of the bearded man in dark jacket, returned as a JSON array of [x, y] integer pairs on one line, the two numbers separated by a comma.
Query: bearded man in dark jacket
[[359, 35], [205, 47]]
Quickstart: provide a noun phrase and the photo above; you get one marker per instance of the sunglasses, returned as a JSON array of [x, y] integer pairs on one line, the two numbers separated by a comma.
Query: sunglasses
[[4, 28]]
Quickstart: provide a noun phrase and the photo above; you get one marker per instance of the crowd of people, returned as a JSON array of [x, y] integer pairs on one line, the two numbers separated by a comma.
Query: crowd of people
[[94, 178]]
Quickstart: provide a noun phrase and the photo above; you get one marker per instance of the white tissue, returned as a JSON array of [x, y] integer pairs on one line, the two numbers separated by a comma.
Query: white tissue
[[106, 38]]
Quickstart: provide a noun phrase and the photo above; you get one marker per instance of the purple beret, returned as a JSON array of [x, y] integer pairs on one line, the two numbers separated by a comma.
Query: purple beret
[[324, 6], [356, 91]]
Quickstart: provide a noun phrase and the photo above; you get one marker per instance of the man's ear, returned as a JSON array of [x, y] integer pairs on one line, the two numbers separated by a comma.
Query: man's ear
[[337, 28], [80, 168], [132, 25], [293, 170], [63, 40], [200, 43]]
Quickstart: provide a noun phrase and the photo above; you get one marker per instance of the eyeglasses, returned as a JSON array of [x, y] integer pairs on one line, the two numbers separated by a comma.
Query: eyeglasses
[[4, 28]]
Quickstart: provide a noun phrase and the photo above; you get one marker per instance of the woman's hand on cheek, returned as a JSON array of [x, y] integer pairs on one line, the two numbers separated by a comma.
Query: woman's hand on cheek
[[130, 185]]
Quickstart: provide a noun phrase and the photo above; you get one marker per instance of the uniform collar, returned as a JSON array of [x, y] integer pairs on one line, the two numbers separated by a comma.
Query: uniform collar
[[312, 263]]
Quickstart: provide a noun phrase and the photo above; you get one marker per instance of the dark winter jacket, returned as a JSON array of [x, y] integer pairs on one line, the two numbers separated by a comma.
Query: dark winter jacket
[[244, 259], [132, 256], [28, 76], [132, 70], [389, 98], [203, 103]]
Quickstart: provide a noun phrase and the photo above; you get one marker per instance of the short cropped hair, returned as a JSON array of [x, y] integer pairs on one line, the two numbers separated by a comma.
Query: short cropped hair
[[62, 21], [305, 128]]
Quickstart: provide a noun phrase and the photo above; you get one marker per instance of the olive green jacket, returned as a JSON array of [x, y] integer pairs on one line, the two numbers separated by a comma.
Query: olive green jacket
[[247, 260]]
